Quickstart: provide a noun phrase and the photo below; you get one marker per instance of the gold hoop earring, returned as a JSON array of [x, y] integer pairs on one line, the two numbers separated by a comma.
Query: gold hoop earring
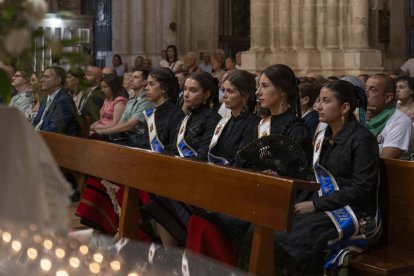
[[343, 119]]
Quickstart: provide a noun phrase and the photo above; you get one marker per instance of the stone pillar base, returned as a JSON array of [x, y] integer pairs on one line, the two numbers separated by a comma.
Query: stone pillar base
[[325, 62]]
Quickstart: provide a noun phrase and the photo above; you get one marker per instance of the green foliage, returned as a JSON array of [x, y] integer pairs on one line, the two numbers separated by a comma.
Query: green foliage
[[5, 87], [18, 33]]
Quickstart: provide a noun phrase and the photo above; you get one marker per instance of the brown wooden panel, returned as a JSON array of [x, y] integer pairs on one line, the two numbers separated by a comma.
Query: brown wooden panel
[[261, 254], [254, 197], [399, 204], [386, 261], [129, 221]]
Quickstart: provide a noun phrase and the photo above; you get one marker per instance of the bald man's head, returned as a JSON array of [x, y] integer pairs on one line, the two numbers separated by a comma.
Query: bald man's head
[[93, 75], [108, 70]]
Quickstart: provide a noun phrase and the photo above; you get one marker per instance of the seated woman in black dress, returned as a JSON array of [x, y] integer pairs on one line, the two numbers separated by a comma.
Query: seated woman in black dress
[[344, 212], [192, 141], [239, 87], [197, 128], [278, 92], [163, 121], [99, 206], [213, 234]]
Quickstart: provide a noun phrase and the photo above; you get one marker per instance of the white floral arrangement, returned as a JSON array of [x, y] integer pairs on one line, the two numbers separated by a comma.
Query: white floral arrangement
[[17, 18]]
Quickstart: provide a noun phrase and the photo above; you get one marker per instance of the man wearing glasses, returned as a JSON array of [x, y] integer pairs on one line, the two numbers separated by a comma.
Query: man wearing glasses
[[23, 98]]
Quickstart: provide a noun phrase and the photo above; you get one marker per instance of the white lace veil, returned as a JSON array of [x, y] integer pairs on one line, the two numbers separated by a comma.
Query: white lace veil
[[32, 188]]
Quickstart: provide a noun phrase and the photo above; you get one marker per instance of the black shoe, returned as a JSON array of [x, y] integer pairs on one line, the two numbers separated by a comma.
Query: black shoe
[[75, 197]]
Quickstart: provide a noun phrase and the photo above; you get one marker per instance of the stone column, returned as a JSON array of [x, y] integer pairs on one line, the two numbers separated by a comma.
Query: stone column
[[309, 23], [137, 15], [320, 23], [359, 21], [259, 16], [285, 26], [296, 29], [331, 34]]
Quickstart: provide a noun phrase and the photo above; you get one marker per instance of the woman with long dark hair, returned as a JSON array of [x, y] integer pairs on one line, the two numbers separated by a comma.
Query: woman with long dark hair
[[278, 92], [162, 121], [114, 104], [343, 215], [210, 233], [239, 87], [74, 85], [192, 141], [172, 61]]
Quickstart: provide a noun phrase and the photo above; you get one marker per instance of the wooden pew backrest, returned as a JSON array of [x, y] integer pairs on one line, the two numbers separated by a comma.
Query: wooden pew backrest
[[265, 201], [398, 206]]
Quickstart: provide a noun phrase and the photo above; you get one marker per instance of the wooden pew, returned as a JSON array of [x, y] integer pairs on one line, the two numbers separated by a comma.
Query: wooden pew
[[394, 254], [265, 201]]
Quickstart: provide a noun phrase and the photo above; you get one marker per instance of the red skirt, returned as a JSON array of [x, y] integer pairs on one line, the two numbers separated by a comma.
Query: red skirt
[[96, 209]]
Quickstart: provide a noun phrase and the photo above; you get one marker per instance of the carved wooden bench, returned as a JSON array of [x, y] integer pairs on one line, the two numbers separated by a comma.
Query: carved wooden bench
[[265, 201]]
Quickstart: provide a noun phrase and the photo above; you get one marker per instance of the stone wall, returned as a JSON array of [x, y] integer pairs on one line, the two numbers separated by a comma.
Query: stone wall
[[145, 27], [322, 37]]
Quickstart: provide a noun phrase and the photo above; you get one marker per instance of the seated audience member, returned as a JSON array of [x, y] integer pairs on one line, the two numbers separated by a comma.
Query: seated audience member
[[138, 63], [308, 94], [57, 113], [230, 64], [346, 154], [363, 77], [127, 83], [147, 64], [239, 98], [239, 87], [171, 60], [37, 97], [93, 99], [181, 76], [132, 123], [392, 127], [238, 60], [162, 92], [113, 107], [206, 64], [192, 141], [220, 55], [74, 85], [108, 70], [407, 69], [23, 98], [118, 66], [405, 95], [361, 107], [191, 62], [278, 92], [217, 71]]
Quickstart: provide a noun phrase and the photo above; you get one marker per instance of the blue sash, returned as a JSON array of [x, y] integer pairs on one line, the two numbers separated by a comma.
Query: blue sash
[[183, 148], [156, 144]]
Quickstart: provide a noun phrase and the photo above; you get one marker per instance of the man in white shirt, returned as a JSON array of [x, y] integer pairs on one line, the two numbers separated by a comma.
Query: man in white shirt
[[392, 127]]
